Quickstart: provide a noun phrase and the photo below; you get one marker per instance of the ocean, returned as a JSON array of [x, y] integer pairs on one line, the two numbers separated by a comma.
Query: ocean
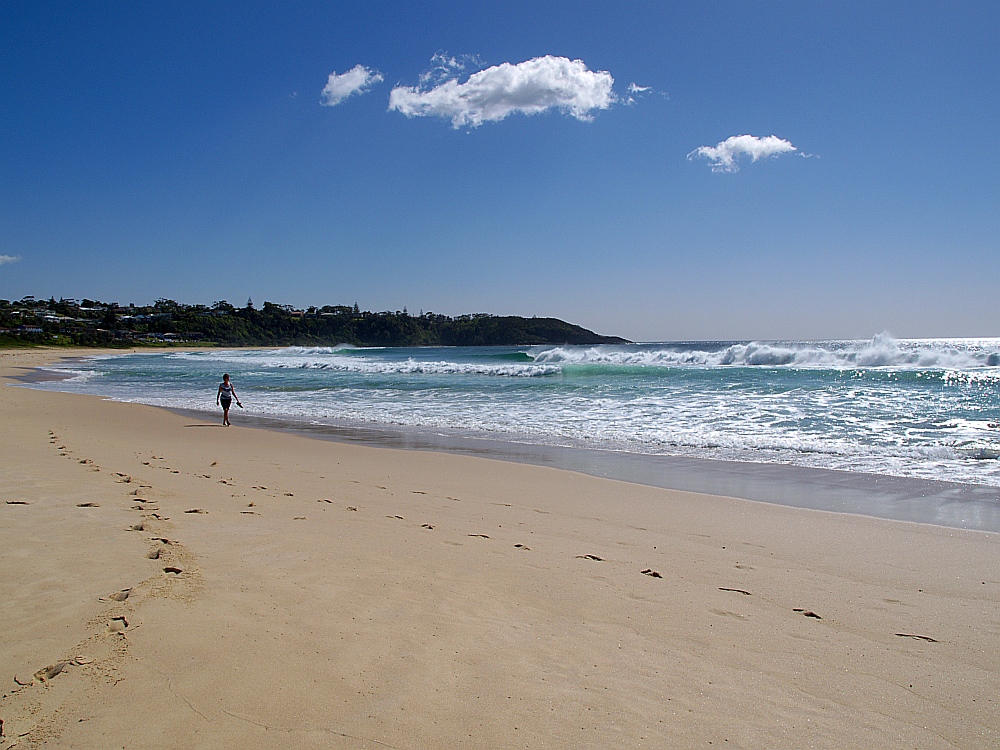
[[927, 409]]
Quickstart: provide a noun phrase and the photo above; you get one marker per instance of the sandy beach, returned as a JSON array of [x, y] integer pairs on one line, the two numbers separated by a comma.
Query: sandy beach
[[166, 582]]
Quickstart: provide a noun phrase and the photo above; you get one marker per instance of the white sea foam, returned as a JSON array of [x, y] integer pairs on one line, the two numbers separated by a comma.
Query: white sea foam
[[956, 377], [411, 367], [922, 408], [72, 375], [361, 361], [316, 350], [881, 352]]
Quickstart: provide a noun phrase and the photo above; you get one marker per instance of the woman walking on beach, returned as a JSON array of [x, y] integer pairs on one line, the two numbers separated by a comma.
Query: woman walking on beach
[[225, 396]]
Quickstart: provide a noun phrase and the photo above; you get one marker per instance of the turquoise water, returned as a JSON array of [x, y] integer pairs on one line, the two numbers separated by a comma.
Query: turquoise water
[[915, 408]]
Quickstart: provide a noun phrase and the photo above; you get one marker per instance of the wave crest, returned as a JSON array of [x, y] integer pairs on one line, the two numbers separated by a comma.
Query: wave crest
[[881, 351], [414, 367]]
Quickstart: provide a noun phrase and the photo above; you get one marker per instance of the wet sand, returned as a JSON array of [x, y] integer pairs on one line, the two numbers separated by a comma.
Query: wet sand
[[166, 582], [961, 506]]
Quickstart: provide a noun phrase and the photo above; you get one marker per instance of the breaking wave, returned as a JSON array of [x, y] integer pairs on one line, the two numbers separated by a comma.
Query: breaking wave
[[921, 408], [412, 366], [882, 351]]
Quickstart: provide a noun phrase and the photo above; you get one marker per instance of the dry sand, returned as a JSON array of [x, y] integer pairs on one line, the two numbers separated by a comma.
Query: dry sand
[[331, 595]]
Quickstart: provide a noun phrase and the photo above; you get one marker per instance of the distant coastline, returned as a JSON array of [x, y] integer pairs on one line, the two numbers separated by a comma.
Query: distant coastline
[[69, 322]]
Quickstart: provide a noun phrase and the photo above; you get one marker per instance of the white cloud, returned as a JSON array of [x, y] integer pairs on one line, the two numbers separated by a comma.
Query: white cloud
[[9, 259], [445, 66], [634, 90], [724, 154], [492, 94], [355, 81]]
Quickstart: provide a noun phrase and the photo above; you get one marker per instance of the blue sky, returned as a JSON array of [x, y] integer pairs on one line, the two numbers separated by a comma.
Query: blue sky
[[182, 150]]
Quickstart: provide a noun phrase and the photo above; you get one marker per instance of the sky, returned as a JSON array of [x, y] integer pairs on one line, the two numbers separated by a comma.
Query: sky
[[653, 170]]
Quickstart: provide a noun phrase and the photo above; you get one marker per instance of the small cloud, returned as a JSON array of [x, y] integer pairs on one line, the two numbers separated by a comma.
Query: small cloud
[[490, 95], [9, 259], [724, 154], [635, 90], [445, 66], [355, 81]]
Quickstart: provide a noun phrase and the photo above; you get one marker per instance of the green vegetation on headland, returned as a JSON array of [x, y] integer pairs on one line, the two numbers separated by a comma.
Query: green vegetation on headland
[[67, 322]]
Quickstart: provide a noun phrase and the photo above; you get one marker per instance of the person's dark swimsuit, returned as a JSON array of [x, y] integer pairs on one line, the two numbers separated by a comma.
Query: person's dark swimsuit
[[225, 395]]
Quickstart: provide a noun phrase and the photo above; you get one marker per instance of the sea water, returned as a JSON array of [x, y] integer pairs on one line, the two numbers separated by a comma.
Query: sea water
[[926, 409]]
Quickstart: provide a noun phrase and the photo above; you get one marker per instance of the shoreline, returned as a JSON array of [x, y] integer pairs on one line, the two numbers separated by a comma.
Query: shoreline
[[910, 499], [248, 587], [913, 500]]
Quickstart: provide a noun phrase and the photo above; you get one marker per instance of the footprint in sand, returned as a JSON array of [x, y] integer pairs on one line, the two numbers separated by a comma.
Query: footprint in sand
[[325, 500], [173, 571], [807, 613], [592, 557], [351, 507], [299, 518], [484, 536], [137, 527], [426, 526], [651, 573], [120, 596], [43, 675], [17, 502], [154, 554], [117, 625], [521, 546], [196, 510], [87, 505], [916, 637]]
